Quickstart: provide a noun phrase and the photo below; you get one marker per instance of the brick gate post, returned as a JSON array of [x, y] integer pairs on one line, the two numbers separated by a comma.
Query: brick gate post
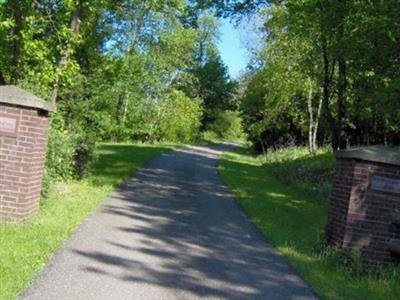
[[24, 121], [364, 214]]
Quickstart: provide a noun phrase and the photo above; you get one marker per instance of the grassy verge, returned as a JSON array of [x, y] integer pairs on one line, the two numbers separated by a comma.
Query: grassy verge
[[25, 249], [312, 175], [289, 205]]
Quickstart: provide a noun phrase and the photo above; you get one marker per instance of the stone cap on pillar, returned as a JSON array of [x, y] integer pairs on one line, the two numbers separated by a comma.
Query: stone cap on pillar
[[377, 153], [11, 94]]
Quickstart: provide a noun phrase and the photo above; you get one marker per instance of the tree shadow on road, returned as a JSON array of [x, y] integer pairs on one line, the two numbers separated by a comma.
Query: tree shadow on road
[[183, 231]]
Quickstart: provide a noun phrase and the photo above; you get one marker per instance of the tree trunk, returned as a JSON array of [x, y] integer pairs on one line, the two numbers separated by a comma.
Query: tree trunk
[[16, 42], [326, 92], [65, 57], [341, 142], [342, 99], [120, 109], [125, 111], [313, 120], [316, 124], [263, 148], [2, 79], [310, 119]]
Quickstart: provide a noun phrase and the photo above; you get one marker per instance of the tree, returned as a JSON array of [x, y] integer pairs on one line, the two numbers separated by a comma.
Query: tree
[[111, 66], [329, 54], [215, 87], [75, 24]]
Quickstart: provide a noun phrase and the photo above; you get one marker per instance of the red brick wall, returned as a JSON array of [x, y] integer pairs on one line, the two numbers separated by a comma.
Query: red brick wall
[[340, 195], [21, 163], [361, 218]]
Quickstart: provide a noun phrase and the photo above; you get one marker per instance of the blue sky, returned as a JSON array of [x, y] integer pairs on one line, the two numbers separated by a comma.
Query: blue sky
[[232, 51]]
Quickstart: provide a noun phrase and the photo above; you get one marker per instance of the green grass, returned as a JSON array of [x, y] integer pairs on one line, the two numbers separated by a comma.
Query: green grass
[[209, 138], [25, 249], [311, 174], [293, 218]]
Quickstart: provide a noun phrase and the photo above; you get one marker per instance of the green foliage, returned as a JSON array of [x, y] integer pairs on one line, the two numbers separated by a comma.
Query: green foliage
[[60, 155], [227, 125], [116, 70], [320, 71], [208, 35], [60, 151], [83, 124], [274, 121], [69, 153], [209, 137], [84, 146], [179, 118], [215, 87], [313, 175]]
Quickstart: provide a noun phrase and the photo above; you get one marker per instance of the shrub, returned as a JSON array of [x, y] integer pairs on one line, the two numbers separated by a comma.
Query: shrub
[[84, 122], [209, 136], [84, 149], [227, 125], [179, 118], [69, 153], [60, 153]]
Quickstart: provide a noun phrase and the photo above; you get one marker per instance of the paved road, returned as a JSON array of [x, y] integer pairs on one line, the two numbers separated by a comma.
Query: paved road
[[173, 231]]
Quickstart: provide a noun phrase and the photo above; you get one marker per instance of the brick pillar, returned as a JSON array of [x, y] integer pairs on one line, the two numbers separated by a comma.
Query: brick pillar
[[24, 121], [365, 203]]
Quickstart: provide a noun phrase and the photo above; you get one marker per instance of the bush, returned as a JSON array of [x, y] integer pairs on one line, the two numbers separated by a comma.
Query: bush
[[179, 118], [227, 125], [84, 149], [60, 154], [69, 153], [209, 137]]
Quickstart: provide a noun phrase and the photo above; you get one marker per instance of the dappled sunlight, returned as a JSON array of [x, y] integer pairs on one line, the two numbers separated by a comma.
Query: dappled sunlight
[[286, 217], [277, 195], [175, 226]]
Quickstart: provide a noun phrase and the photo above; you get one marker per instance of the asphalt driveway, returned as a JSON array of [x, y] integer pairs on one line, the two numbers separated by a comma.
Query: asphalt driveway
[[172, 231]]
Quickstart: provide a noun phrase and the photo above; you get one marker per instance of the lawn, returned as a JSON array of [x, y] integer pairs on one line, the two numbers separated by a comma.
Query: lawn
[[286, 197], [25, 249]]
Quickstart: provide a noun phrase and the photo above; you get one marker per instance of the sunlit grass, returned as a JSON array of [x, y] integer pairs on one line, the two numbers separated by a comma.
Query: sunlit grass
[[25, 249], [293, 219]]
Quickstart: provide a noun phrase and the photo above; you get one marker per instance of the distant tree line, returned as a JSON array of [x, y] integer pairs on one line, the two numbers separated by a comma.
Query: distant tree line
[[329, 73], [117, 70]]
